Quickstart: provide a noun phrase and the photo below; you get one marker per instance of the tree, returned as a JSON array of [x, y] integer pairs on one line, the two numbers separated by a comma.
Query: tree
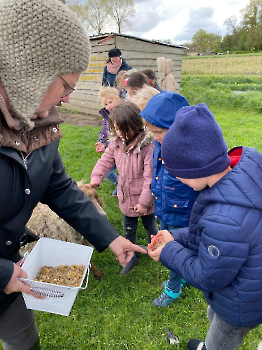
[[98, 11], [230, 23], [206, 41], [120, 11], [252, 24], [80, 8]]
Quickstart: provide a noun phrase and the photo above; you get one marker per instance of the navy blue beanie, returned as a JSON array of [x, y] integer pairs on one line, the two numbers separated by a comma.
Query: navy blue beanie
[[161, 109], [194, 146]]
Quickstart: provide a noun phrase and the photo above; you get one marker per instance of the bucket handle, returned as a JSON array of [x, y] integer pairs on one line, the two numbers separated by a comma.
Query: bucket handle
[[88, 270]]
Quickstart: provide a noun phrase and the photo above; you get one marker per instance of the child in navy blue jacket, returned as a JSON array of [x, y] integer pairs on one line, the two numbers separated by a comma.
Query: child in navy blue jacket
[[220, 252], [173, 199]]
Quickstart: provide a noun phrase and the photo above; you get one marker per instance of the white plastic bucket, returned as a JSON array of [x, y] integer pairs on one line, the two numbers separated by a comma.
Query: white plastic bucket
[[52, 252]]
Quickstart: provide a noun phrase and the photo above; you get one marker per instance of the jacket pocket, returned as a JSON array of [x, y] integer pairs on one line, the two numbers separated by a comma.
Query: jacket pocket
[[136, 186], [176, 203]]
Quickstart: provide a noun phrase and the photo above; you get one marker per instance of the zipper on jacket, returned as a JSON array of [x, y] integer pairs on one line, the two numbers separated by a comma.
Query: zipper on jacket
[[24, 159]]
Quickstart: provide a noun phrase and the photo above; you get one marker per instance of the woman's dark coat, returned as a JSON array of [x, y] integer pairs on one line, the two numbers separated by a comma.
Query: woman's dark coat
[[42, 178]]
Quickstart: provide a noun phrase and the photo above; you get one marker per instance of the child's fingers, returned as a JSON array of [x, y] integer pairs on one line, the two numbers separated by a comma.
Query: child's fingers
[[154, 254], [150, 246]]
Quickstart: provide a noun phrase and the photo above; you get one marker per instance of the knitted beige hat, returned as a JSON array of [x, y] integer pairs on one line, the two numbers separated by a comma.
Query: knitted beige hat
[[39, 40]]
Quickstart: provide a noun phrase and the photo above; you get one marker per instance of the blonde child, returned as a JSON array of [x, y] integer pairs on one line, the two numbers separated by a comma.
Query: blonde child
[[132, 152], [143, 96], [109, 98]]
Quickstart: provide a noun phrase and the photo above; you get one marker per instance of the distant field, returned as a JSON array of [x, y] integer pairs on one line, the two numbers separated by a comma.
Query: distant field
[[224, 65], [230, 81]]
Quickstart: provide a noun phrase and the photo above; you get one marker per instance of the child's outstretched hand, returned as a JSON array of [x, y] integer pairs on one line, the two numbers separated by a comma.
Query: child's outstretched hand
[[99, 147], [157, 244], [139, 209]]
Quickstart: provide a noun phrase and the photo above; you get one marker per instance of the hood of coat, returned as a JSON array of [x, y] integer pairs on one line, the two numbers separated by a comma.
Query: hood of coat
[[169, 66], [243, 185], [45, 131], [161, 67], [143, 139]]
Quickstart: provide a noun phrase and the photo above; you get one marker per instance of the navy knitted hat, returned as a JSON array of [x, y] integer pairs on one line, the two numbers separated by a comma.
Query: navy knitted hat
[[194, 146], [161, 109], [114, 53]]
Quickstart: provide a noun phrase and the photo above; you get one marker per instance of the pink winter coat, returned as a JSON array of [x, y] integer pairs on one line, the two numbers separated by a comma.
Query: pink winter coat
[[135, 169]]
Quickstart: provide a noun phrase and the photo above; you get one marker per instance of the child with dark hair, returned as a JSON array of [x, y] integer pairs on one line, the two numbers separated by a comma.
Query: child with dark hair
[[152, 79], [136, 82], [220, 252], [132, 152]]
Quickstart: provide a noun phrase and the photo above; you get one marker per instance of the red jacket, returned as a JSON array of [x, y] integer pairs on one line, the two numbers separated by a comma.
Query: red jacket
[[135, 169]]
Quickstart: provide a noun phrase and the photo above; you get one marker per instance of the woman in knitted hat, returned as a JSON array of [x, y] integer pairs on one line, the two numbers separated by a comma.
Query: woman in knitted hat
[[114, 65], [43, 49]]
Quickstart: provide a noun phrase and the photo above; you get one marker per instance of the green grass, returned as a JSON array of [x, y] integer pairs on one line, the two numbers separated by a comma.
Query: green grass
[[116, 312], [233, 91], [231, 81]]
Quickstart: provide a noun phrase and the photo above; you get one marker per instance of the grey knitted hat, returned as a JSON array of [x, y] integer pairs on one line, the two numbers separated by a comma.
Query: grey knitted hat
[[39, 40]]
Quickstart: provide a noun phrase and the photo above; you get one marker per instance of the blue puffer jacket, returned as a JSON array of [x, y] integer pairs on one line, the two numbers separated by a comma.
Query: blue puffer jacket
[[221, 252], [173, 199]]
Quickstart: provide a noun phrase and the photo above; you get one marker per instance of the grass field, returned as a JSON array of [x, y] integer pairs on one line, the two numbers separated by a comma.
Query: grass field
[[223, 65], [116, 312], [232, 81]]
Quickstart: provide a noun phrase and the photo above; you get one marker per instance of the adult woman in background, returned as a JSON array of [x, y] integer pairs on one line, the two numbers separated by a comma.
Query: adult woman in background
[[114, 65]]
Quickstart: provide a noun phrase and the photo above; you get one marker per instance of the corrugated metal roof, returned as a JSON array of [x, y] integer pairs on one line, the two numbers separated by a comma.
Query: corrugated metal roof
[[105, 35]]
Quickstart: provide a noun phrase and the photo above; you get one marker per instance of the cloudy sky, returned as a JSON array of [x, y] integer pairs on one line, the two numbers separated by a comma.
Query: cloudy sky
[[179, 20]]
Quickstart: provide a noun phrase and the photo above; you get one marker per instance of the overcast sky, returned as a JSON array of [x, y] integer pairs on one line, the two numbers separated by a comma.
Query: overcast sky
[[179, 20]]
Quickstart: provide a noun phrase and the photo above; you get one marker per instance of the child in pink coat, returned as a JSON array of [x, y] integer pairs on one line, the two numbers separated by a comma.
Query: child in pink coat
[[132, 153]]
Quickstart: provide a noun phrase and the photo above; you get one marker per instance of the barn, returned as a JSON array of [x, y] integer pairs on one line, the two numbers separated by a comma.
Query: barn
[[138, 53]]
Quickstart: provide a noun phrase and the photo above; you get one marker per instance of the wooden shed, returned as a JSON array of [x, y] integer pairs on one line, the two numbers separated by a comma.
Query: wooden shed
[[138, 53]]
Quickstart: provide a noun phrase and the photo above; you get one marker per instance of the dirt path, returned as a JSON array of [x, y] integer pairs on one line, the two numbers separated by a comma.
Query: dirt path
[[80, 119]]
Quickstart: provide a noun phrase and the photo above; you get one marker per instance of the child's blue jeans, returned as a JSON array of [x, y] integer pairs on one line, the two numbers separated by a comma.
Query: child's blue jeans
[[112, 176], [174, 281], [223, 336]]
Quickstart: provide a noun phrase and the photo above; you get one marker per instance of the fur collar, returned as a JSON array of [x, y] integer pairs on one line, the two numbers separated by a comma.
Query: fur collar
[[143, 139], [45, 131]]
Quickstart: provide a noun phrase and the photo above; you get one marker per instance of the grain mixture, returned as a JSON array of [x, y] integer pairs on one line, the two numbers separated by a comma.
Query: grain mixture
[[69, 276], [159, 244]]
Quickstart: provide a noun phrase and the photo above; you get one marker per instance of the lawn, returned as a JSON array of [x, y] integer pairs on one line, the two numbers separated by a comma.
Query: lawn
[[116, 312]]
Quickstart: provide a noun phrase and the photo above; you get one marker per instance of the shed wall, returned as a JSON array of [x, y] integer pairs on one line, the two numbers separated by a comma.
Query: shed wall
[[137, 53]]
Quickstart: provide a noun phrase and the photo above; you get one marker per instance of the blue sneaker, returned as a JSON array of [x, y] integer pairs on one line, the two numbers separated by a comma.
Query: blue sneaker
[[165, 284], [167, 297]]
